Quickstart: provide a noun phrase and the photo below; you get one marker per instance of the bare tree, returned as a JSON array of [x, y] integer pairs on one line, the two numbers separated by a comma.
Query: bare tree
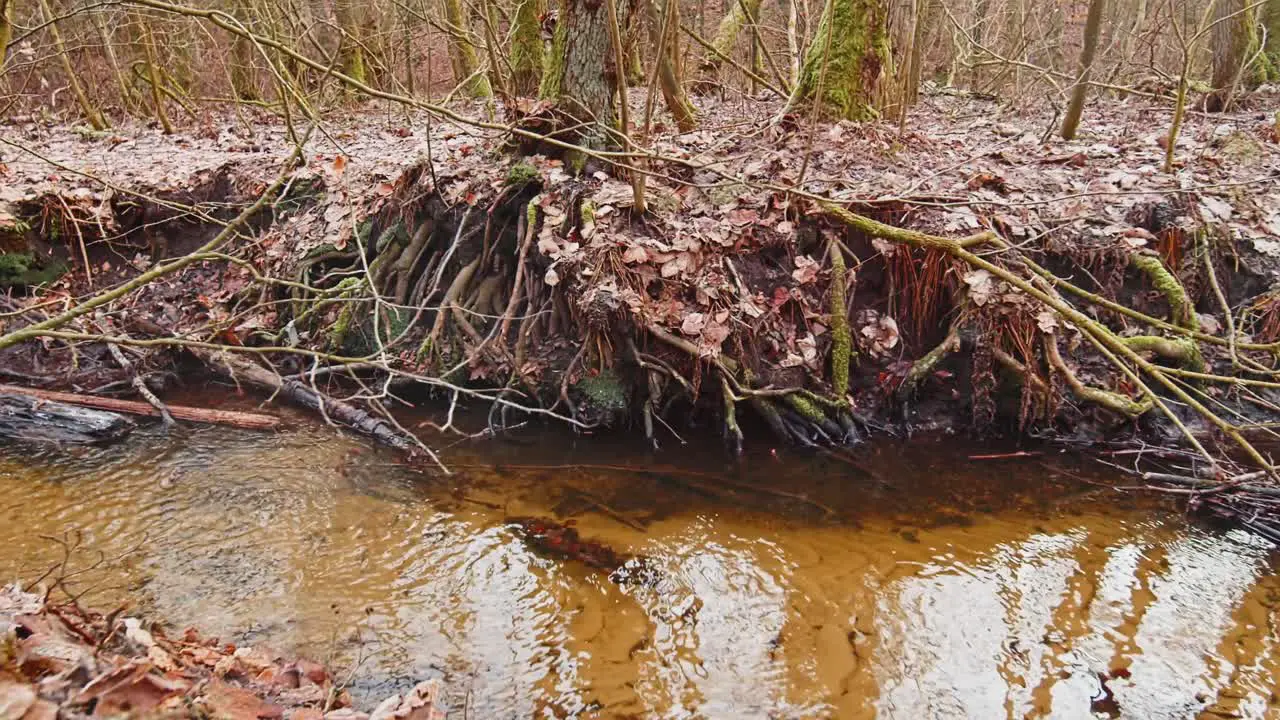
[[1092, 26]]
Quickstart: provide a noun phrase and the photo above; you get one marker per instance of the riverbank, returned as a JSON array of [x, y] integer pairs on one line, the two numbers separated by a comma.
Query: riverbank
[[59, 659], [1018, 285]]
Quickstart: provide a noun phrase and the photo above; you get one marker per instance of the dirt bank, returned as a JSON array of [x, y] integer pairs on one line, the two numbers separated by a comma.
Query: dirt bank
[[1063, 289]]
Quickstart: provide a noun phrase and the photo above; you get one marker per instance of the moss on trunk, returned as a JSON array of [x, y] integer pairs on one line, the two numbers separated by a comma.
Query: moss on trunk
[[853, 43], [726, 35], [580, 73], [6, 27], [352, 57], [462, 54], [1269, 61], [526, 47]]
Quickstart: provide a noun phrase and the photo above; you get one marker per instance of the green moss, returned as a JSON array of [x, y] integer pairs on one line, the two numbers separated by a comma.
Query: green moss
[[342, 325], [841, 343], [553, 61], [1181, 311], [858, 59], [1184, 351], [521, 174], [605, 391], [395, 234], [806, 408], [24, 269], [526, 47]]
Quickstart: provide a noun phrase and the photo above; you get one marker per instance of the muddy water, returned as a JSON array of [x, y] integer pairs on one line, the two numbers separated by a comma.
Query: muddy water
[[918, 584]]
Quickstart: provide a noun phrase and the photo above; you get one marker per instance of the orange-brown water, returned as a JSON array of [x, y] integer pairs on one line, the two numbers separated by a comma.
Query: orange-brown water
[[924, 585]]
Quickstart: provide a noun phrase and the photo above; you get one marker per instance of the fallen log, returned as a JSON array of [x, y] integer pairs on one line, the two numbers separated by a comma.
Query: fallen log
[[34, 419], [352, 416], [250, 421]]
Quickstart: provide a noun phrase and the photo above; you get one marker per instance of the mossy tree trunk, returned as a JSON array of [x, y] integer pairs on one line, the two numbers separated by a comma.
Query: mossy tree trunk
[[352, 55], [1270, 14], [740, 11], [581, 75], [6, 27], [462, 53], [852, 42], [526, 47], [667, 52], [1092, 28]]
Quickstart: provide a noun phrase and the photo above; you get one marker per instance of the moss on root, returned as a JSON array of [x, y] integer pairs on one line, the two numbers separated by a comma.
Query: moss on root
[[841, 342], [1181, 310]]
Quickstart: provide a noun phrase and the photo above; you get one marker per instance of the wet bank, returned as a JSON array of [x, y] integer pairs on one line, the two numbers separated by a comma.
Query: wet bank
[[920, 583]]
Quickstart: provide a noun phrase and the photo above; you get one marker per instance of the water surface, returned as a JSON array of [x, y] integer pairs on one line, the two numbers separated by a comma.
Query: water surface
[[914, 583]]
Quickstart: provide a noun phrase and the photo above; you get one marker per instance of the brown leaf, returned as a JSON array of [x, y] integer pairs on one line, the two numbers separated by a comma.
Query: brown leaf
[[15, 699], [227, 702]]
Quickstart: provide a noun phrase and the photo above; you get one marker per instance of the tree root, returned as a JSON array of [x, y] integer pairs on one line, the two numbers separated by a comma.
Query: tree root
[[1109, 344], [921, 368], [1113, 401], [795, 415], [1181, 310]]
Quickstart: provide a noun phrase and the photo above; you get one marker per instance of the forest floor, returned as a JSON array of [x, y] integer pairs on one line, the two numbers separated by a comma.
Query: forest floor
[[60, 660], [722, 289]]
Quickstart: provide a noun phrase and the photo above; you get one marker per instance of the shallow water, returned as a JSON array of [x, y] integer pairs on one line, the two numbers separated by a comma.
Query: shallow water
[[918, 584]]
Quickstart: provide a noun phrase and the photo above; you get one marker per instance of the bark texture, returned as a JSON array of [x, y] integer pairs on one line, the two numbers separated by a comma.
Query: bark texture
[[581, 74], [526, 48], [6, 27], [1229, 41], [852, 41], [462, 54]]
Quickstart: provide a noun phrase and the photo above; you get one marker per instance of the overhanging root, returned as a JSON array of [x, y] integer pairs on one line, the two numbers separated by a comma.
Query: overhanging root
[[795, 415], [1112, 347], [921, 368], [1113, 401]]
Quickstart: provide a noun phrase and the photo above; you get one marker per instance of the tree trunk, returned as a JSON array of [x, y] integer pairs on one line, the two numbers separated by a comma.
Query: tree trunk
[[852, 42], [667, 50], [462, 54], [352, 54], [526, 48], [581, 74], [1270, 14], [922, 22], [726, 35], [6, 27], [244, 84], [1229, 42], [1092, 25]]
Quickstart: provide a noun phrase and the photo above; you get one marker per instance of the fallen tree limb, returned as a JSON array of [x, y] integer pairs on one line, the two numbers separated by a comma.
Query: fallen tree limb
[[250, 421], [26, 416], [352, 416]]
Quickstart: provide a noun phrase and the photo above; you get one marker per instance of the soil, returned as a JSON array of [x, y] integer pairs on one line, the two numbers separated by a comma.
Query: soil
[[722, 289]]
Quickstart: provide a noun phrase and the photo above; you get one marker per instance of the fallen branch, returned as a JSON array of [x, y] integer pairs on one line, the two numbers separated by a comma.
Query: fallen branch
[[250, 421], [379, 429]]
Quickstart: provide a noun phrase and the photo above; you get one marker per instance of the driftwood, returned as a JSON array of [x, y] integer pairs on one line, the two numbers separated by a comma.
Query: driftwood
[[29, 418], [300, 393], [251, 421]]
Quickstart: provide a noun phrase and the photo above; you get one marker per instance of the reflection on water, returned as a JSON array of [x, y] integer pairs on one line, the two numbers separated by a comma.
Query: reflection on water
[[911, 587]]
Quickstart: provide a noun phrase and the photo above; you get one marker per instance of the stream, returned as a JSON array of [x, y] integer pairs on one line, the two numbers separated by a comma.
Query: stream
[[918, 583]]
